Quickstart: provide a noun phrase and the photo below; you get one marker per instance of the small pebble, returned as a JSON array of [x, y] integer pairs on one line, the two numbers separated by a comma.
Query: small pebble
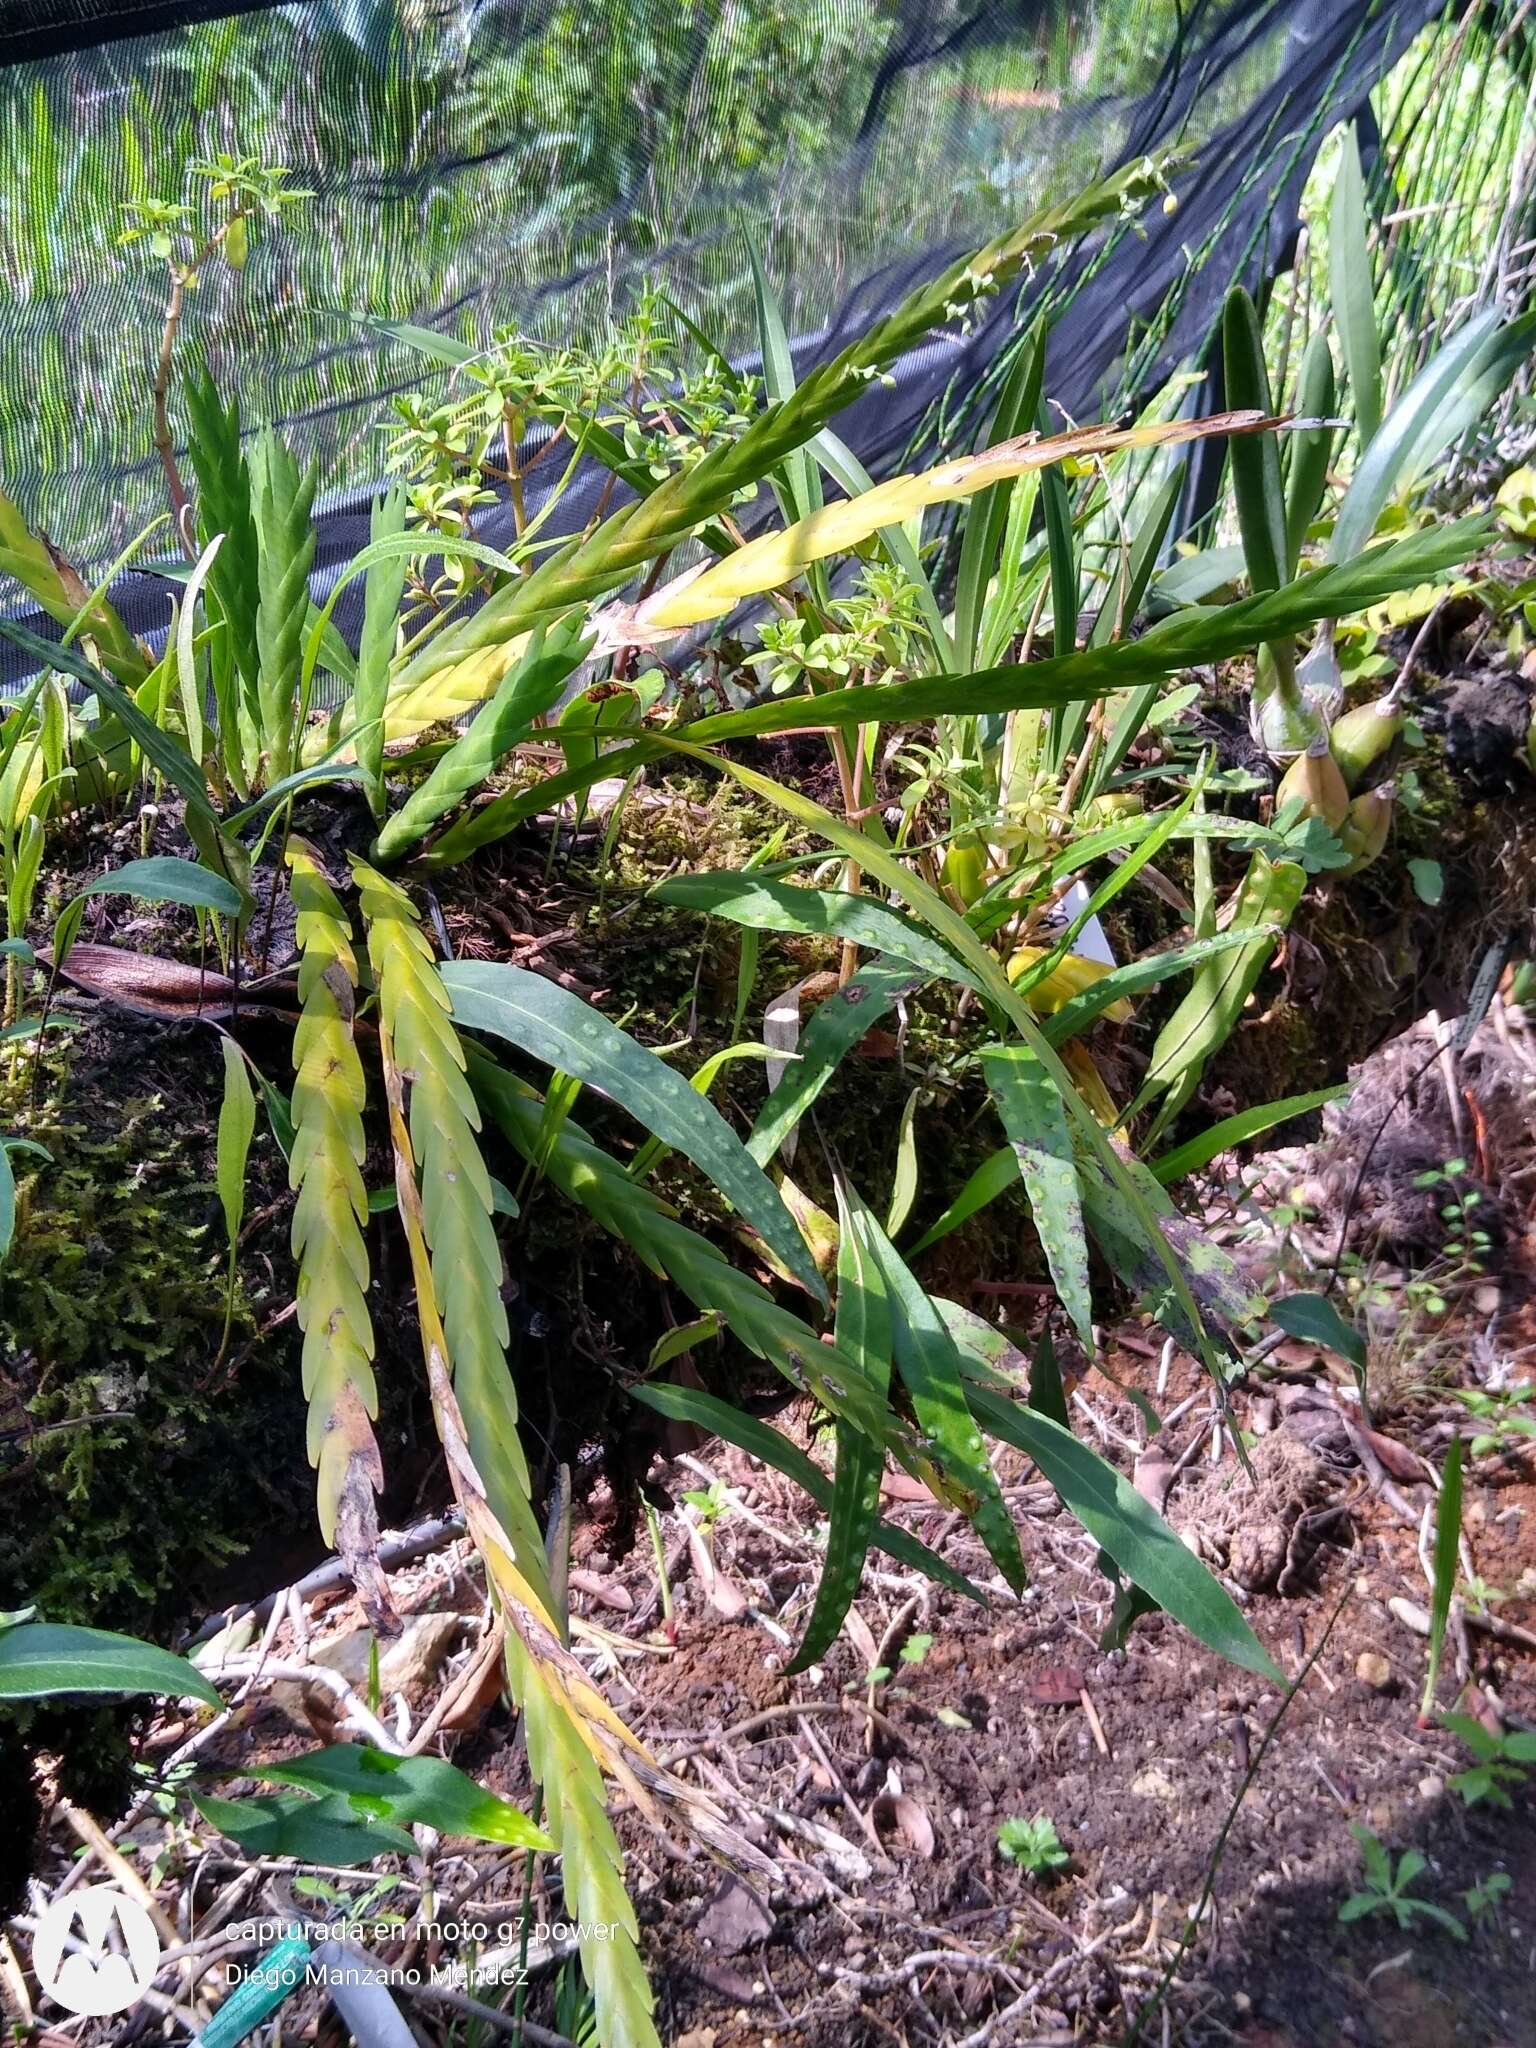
[[1372, 1669]]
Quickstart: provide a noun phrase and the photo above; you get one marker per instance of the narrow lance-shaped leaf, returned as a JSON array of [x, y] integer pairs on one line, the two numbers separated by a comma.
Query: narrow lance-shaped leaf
[[1236, 1130], [558, 1028], [1352, 291], [929, 1365], [1035, 1119], [758, 1440], [161, 878], [753, 900], [863, 1328], [588, 1175], [1138, 1539], [1447, 1548], [237, 1125], [1310, 450], [383, 587], [1206, 1017], [836, 1026]]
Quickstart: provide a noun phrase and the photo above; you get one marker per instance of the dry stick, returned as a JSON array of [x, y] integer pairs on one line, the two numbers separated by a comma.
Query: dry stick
[[412, 1543], [165, 446], [117, 1863], [1155, 1999], [487, 2015]]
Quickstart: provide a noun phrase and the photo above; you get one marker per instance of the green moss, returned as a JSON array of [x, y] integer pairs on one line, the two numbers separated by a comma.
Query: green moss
[[123, 1475]]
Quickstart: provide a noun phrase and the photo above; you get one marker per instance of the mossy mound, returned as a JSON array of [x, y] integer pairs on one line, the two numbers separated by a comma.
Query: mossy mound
[[134, 1460]]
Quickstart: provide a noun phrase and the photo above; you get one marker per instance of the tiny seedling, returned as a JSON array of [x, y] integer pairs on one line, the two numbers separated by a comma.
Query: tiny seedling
[[915, 1649], [1033, 1845], [1503, 1413], [709, 1504], [1386, 1890], [1483, 1899], [1500, 1761]]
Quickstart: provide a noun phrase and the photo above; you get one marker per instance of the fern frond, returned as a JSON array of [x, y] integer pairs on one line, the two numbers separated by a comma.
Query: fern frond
[[325, 1167], [571, 1731], [456, 1206]]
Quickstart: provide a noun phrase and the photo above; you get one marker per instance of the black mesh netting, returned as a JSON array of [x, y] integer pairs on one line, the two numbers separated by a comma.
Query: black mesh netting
[[483, 164]]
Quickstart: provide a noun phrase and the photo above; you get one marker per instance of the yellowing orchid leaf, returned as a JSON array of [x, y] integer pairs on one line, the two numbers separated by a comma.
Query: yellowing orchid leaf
[[775, 559]]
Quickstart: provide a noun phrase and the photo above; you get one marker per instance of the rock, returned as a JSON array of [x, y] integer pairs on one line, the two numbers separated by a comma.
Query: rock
[[735, 1919], [1154, 1784], [409, 1665], [1372, 1669]]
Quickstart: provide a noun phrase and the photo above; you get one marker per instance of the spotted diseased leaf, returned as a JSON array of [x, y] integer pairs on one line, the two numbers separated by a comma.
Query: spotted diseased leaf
[[1035, 1119], [329, 1217]]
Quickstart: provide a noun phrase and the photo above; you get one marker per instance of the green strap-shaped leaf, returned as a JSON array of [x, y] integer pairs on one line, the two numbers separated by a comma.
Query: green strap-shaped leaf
[[1035, 1119], [1151, 972], [750, 899], [383, 588], [1204, 1020], [1255, 458], [587, 1174], [551, 1025], [863, 1332], [1236, 1130], [997, 1173], [1311, 450], [928, 1361], [758, 1440], [1351, 288], [1138, 1539], [40, 1658]]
